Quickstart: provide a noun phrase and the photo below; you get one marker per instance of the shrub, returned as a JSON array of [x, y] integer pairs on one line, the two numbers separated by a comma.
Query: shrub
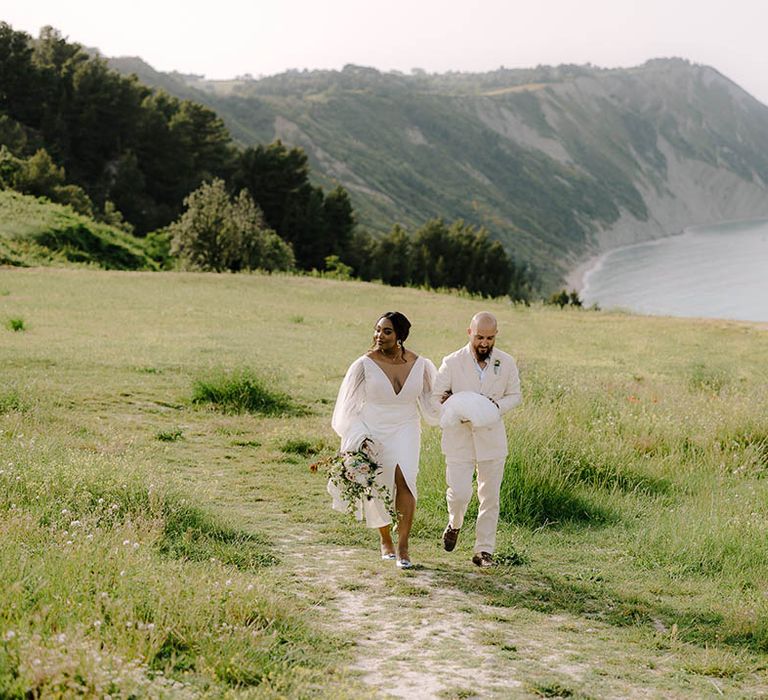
[[242, 391], [15, 324], [169, 435], [217, 234], [303, 447]]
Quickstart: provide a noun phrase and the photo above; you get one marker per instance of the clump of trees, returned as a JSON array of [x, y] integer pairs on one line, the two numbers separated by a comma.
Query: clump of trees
[[441, 255], [316, 224], [217, 233], [39, 176], [564, 298]]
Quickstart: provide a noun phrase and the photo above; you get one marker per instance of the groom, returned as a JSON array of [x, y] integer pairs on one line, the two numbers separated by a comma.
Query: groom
[[480, 368]]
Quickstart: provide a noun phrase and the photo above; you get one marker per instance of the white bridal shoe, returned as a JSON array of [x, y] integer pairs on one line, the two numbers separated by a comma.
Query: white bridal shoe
[[404, 564]]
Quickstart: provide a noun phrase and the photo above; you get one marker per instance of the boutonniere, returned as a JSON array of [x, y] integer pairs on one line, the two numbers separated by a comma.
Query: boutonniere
[[496, 365]]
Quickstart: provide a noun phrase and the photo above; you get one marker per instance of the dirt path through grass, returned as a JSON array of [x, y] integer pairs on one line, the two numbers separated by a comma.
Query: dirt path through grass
[[430, 632], [447, 629]]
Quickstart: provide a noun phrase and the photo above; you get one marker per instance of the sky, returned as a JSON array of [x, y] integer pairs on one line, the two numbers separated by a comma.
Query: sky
[[224, 38]]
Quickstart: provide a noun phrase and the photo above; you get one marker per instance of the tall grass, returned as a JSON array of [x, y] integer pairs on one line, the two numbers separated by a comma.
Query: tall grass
[[116, 584], [242, 391]]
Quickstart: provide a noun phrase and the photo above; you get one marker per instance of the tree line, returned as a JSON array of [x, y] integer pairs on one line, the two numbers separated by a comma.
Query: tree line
[[73, 130]]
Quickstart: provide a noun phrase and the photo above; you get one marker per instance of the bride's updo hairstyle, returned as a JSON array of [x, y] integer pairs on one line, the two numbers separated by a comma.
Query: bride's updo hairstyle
[[401, 325]]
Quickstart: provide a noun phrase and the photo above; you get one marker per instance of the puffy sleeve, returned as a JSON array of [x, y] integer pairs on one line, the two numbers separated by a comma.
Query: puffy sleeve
[[346, 420], [429, 405]]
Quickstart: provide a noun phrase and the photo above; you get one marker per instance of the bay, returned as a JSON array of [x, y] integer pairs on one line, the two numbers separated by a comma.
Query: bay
[[708, 271]]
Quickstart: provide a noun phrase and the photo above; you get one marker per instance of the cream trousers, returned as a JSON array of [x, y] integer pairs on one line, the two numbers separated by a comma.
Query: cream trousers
[[458, 476]]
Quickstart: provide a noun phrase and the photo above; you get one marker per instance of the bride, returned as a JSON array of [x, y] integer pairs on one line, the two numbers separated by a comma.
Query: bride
[[379, 400]]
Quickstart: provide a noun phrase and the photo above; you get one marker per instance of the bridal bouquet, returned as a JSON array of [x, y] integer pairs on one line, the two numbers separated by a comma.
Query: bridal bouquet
[[354, 474]]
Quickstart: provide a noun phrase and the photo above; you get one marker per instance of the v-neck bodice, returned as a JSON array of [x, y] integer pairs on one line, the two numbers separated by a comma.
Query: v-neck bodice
[[389, 380]]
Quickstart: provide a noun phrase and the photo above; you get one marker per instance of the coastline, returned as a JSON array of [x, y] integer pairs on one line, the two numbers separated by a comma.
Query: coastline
[[577, 279], [714, 272]]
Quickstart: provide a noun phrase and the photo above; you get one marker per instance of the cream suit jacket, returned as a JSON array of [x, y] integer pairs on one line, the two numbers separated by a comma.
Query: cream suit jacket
[[501, 382]]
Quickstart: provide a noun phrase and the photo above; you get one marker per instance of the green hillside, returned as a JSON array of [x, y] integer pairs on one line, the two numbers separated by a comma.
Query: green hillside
[[151, 546], [37, 232], [556, 162]]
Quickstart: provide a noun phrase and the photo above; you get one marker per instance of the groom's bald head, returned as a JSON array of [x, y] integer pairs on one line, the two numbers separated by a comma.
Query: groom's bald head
[[482, 334], [484, 320]]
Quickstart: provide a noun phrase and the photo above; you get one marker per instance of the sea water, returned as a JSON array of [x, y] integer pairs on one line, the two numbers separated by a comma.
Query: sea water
[[713, 272]]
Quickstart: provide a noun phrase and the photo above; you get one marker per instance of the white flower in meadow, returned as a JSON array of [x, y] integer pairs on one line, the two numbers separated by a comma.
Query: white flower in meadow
[[9, 635], [97, 624], [135, 545], [36, 662], [126, 542], [150, 625], [128, 624], [104, 594], [61, 638], [100, 501], [122, 573], [249, 587], [89, 536], [75, 523], [64, 511], [228, 582], [68, 542]]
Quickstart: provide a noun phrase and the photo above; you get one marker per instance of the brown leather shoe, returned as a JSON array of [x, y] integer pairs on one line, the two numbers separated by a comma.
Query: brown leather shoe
[[482, 559], [450, 535]]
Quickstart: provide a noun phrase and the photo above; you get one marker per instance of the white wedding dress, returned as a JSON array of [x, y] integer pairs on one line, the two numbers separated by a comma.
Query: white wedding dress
[[368, 407]]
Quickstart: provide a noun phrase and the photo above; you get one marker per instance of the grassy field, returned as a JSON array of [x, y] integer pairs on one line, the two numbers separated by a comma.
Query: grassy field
[[149, 544]]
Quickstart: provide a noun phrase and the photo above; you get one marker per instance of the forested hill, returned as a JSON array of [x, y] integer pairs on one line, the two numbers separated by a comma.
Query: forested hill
[[556, 162]]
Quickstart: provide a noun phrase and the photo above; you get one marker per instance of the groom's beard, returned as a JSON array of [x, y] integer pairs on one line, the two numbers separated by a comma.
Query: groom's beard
[[483, 355]]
